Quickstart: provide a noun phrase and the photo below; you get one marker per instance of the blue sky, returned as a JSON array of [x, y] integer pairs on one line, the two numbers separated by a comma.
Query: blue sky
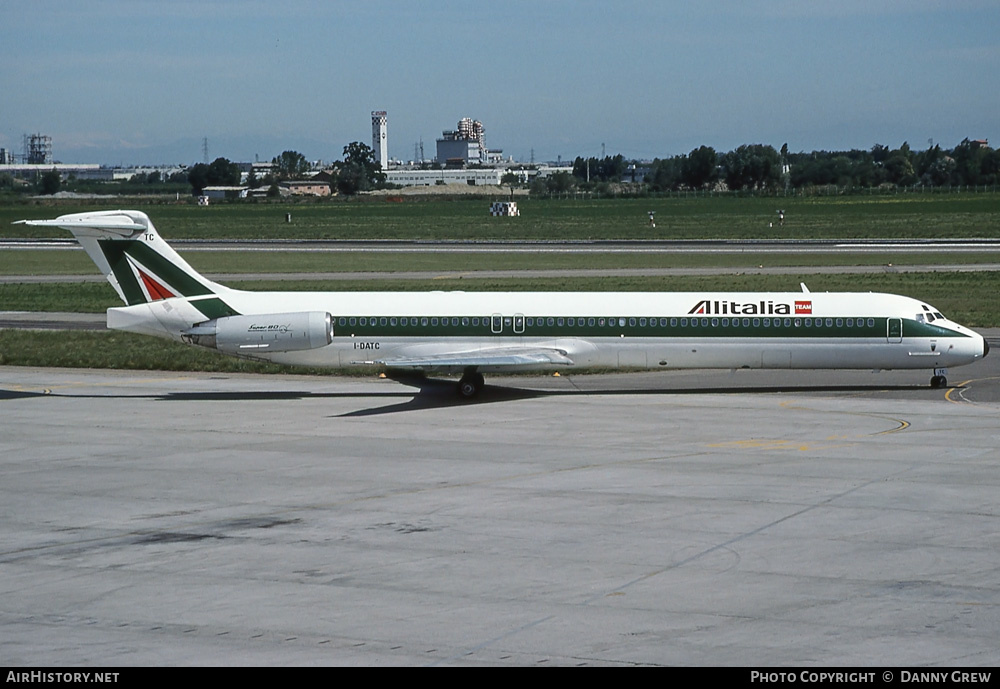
[[136, 81]]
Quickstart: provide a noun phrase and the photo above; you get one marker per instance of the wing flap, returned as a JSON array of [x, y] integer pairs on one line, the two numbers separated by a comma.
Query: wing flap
[[500, 358]]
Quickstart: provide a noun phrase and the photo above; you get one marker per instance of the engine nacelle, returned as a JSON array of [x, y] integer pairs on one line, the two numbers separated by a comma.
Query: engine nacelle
[[268, 332]]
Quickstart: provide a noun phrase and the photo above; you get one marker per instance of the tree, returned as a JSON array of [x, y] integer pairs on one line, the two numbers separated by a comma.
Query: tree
[[701, 168], [50, 182], [510, 179], [608, 169], [752, 167], [665, 174], [899, 166], [220, 173], [359, 170], [291, 165]]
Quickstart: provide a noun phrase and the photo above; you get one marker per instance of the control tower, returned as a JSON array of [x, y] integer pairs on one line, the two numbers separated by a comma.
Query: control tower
[[379, 142]]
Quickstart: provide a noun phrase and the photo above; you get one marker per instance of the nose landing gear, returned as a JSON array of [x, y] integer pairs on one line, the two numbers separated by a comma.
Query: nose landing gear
[[939, 379]]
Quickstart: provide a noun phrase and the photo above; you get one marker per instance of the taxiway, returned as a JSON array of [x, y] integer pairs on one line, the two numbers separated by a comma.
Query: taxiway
[[673, 518]]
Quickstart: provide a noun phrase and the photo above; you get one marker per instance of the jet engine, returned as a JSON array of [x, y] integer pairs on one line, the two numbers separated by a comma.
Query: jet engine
[[268, 332]]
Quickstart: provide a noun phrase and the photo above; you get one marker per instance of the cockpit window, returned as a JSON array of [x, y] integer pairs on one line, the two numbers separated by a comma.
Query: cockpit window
[[930, 314]]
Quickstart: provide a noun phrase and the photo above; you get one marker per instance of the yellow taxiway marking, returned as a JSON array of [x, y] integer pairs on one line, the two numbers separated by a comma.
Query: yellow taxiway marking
[[775, 444], [956, 393]]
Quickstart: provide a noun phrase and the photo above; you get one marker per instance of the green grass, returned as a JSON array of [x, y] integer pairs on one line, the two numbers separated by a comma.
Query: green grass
[[904, 215], [115, 350], [76, 262]]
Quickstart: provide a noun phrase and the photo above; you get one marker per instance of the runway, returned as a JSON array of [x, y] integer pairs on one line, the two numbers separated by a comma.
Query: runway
[[672, 518], [582, 246]]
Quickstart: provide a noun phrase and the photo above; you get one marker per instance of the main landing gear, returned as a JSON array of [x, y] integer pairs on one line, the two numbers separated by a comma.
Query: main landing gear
[[471, 383], [939, 379]]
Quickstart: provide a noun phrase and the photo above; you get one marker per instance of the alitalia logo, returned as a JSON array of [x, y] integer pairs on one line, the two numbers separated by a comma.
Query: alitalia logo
[[708, 307]]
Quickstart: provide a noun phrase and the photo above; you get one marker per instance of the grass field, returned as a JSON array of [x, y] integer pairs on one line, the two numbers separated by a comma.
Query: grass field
[[906, 215], [76, 262]]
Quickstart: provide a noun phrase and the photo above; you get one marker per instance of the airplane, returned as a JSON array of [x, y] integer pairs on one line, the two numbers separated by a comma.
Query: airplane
[[472, 333]]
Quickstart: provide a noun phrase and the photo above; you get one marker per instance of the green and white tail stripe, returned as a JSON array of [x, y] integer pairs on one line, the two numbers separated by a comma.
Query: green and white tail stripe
[[137, 262]]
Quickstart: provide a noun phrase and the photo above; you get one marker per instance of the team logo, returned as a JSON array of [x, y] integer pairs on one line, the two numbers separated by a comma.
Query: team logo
[[803, 308]]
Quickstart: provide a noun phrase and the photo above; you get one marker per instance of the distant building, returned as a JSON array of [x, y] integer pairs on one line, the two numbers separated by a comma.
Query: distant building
[[429, 178], [77, 170], [465, 145], [306, 187], [225, 192], [380, 143]]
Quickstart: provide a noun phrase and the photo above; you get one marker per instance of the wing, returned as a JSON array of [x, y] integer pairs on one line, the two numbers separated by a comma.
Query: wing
[[496, 359]]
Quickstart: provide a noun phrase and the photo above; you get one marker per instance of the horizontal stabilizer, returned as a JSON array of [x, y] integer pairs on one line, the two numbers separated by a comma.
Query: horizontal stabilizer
[[119, 223]]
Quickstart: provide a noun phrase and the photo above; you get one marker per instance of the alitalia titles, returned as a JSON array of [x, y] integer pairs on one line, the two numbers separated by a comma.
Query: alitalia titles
[[710, 307]]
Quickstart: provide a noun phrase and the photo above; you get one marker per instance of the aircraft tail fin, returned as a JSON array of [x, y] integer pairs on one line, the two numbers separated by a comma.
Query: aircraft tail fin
[[129, 251]]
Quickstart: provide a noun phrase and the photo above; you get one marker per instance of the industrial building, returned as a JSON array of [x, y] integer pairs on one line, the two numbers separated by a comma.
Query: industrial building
[[428, 178], [464, 145]]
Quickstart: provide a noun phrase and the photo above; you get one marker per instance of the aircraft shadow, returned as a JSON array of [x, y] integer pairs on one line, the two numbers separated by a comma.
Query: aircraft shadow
[[434, 393]]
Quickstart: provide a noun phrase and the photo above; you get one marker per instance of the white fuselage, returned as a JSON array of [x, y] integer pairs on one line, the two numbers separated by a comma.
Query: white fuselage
[[620, 329]]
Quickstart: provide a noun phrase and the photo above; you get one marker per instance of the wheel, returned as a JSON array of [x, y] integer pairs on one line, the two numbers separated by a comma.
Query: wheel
[[470, 384], [467, 388], [939, 382]]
